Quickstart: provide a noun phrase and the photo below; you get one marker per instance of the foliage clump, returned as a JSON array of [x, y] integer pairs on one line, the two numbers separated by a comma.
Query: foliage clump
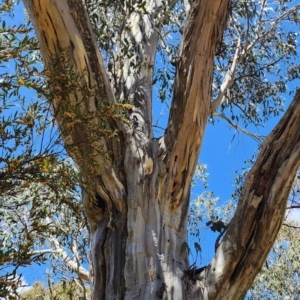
[[62, 290], [39, 201]]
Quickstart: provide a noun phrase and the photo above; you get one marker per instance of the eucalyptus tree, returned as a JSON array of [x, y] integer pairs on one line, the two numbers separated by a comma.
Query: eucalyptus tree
[[221, 58]]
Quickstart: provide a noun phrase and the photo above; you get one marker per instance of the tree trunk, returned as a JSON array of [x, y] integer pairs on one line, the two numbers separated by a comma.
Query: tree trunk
[[136, 200]]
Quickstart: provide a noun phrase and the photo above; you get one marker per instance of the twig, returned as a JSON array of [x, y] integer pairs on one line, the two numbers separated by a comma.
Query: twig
[[258, 138]]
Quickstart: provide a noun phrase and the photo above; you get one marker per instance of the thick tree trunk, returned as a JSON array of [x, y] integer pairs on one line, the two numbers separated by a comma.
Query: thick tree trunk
[[136, 201]]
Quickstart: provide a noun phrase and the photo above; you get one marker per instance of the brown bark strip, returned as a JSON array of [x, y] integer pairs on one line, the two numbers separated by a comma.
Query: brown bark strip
[[192, 95]]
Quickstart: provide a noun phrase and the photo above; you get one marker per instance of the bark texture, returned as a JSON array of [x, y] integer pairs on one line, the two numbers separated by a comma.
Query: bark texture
[[261, 209], [138, 227]]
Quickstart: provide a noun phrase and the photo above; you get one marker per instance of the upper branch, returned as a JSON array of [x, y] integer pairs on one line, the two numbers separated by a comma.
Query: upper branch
[[192, 93], [140, 35], [229, 78]]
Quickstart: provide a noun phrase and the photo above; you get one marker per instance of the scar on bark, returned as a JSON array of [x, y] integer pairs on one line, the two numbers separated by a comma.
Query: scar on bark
[[100, 202], [160, 293]]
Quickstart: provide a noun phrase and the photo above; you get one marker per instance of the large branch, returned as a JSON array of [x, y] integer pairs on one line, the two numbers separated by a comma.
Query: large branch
[[192, 94], [63, 26], [260, 212]]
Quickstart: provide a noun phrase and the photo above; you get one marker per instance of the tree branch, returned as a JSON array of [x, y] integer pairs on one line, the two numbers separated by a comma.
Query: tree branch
[[44, 251], [291, 226], [259, 37], [259, 139], [64, 26], [72, 264], [229, 77], [260, 211], [192, 95], [293, 206]]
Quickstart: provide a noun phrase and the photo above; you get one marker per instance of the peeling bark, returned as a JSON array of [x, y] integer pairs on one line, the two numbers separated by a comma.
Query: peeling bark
[[260, 212], [192, 95], [138, 223]]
